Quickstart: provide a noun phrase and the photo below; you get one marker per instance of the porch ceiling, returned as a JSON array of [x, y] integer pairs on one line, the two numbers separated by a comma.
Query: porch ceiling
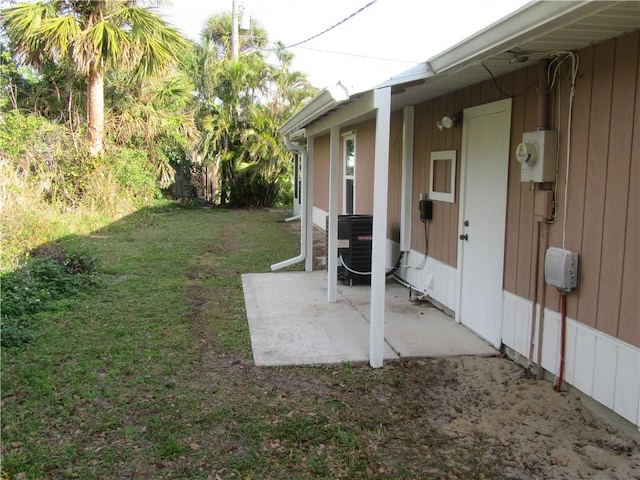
[[533, 32], [528, 35]]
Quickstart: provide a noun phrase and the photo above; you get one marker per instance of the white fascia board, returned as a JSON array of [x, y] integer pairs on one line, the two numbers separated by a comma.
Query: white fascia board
[[321, 103], [357, 108], [419, 72], [297, 135], [525, 24]]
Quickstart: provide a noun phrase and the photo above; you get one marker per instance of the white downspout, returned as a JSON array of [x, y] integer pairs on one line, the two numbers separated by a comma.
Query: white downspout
[[302, 151]]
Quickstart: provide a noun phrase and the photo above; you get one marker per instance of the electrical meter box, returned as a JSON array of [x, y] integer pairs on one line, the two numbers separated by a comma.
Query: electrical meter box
[[537, 156], [561, 269]]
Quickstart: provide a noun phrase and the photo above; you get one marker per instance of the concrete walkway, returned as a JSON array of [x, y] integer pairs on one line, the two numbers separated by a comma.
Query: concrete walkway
[[292, 323]]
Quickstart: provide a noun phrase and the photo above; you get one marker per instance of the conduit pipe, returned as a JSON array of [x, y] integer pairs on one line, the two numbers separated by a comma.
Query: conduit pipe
[[543, 95], [302, 151], [543, 124], [536, 269], [543, 305], [563, 337]]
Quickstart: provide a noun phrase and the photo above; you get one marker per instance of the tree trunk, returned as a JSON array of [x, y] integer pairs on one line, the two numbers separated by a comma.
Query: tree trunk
[[95, 111]]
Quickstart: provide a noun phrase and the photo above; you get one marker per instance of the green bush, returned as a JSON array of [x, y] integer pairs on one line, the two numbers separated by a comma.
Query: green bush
[[52, 274], [135, 173], [51, 187], [18, 131]]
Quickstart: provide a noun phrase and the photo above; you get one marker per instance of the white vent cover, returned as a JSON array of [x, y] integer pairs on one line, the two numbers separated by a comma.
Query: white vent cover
[[561, 268]]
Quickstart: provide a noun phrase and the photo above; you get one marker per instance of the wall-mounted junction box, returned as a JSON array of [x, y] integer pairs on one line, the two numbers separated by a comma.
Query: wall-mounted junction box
[[561, 269], [537, 156]]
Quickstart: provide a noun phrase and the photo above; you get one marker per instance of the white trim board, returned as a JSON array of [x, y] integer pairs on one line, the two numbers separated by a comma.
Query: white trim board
[[436, 279], [599, 365]]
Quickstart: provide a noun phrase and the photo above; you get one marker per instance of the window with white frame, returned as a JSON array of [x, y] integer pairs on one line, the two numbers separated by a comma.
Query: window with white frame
[[349, 186]]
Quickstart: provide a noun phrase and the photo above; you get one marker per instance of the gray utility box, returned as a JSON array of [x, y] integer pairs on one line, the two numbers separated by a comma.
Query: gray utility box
[[561, 269]]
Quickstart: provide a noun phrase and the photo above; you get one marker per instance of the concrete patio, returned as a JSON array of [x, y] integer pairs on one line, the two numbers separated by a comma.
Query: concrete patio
[[291, 323]]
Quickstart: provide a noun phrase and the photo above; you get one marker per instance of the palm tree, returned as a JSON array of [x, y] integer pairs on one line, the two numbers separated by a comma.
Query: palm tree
[[228, 90], [242, 104], [96, 36], [155, 114]]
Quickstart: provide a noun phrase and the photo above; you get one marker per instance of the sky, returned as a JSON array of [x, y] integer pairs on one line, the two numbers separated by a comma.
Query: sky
[[384, 39]]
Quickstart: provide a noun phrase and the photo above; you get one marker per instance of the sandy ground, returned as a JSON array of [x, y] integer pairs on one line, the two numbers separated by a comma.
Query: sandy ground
[[533, 431], [534, 428]]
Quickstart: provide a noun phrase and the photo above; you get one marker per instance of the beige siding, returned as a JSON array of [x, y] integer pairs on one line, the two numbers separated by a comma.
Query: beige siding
[[394, 196], [321, 172], [365, 151], [603, 207], [609, 169]]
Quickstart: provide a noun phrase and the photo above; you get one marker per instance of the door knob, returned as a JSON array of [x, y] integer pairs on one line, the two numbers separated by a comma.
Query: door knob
[[464, 237]]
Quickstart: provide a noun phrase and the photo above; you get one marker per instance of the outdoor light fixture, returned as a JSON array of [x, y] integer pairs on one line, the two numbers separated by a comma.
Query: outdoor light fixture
[[448, 122]]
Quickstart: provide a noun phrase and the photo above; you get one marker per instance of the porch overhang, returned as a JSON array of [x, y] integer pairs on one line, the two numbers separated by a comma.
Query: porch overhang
[[326, 100], [537, 31], [533, 32], [512, 43]]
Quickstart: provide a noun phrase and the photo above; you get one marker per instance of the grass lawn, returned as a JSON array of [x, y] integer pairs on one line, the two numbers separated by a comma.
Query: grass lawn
[[151, 375]]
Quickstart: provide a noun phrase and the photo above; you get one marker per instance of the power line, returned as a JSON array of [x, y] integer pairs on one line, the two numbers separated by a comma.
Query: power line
[[357, 55], [333, 26]]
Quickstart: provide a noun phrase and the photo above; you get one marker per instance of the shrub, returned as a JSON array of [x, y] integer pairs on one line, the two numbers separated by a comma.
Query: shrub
[[135, 173], [50, 187], [50, 275]]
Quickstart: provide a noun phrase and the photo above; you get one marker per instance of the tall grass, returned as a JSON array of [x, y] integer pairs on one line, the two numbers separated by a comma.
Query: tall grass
[[50, 187]]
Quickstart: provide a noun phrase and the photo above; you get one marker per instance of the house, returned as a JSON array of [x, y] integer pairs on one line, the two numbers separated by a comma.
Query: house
[[524, 141]]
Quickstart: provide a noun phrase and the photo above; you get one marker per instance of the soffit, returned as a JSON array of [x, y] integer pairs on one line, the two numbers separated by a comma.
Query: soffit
[[578, 31]]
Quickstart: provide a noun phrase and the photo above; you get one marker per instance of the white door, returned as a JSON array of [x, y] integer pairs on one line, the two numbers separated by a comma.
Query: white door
[[483, 201]]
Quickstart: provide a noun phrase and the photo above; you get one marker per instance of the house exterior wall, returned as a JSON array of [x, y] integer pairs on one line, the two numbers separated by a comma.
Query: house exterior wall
[[394, 194], [602, 220], [321, 173], [602, 215], [603, 203], [365, 139], [603, 210]]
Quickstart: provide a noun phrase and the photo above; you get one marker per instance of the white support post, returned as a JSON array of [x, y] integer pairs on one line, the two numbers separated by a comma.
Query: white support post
[[406, 200], [332, 254], [307, 181], [382, 102]]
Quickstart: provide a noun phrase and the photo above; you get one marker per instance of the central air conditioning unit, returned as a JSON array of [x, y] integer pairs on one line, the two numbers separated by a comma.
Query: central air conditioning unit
[[355, 235]]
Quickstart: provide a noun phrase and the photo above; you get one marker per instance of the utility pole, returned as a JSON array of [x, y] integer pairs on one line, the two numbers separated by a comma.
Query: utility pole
[[235, 47]]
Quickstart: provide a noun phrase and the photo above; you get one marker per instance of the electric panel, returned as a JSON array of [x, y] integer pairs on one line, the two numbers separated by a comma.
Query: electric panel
[[537, 156]]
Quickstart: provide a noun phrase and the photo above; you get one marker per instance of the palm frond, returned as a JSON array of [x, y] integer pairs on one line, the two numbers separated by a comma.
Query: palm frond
[[155, 44], [21, 24], [58, 34], [99, 45]]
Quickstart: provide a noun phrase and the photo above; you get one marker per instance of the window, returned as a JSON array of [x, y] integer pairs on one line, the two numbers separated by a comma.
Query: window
[[349, 190], [442, 179]]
